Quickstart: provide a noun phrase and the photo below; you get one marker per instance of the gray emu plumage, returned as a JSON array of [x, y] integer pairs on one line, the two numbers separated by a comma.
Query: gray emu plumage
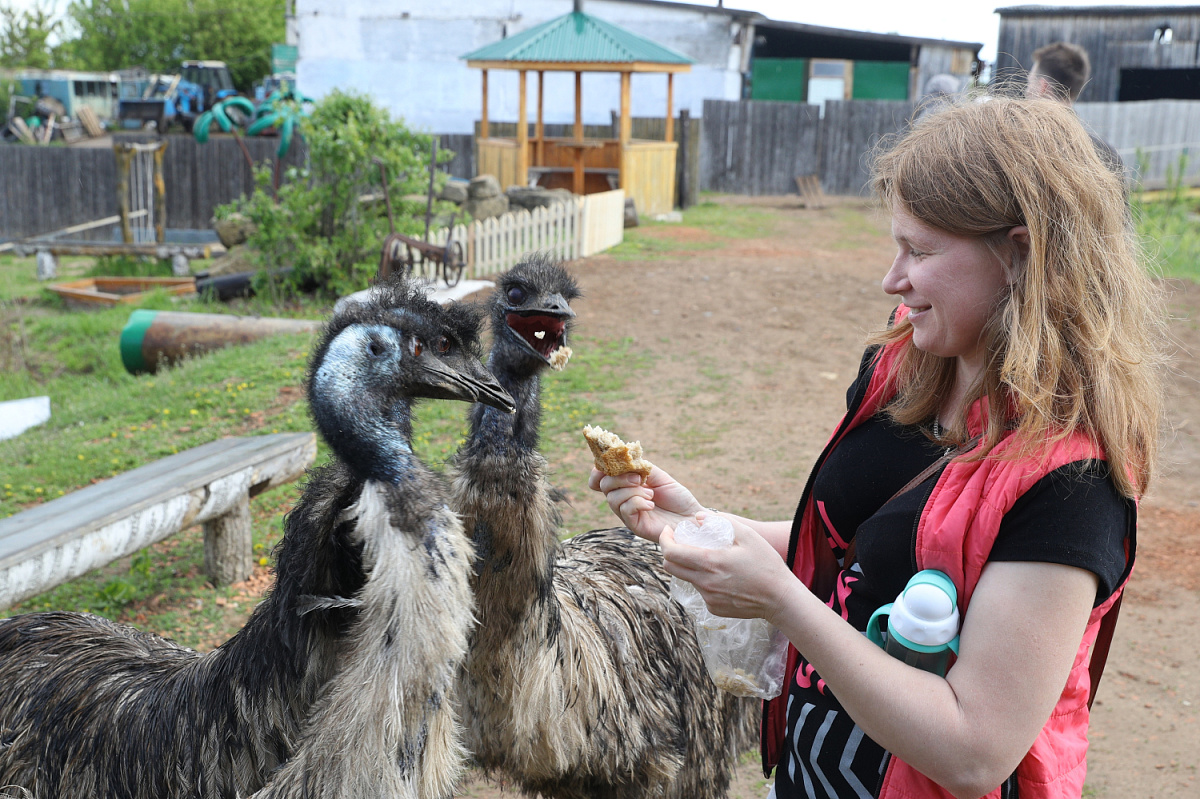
[[338, 684], [583, 678]]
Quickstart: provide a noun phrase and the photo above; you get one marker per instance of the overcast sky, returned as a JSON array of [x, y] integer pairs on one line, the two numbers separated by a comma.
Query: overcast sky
[[959, 20]]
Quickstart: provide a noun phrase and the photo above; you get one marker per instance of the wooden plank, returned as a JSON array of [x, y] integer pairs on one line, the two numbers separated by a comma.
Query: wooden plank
[[45, 526]]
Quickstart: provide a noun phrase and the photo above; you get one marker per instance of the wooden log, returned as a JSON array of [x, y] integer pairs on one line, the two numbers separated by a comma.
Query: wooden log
[[154, 338]]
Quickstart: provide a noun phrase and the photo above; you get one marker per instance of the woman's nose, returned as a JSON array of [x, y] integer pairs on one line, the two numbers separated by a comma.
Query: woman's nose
[[896, 279]]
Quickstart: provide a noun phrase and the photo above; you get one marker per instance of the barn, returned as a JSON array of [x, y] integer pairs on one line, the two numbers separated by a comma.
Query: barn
[[407, 54], [1137, 53]]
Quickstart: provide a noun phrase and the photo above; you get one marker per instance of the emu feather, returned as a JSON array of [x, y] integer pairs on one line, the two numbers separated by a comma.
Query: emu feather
[[583, 678], [337, 686]]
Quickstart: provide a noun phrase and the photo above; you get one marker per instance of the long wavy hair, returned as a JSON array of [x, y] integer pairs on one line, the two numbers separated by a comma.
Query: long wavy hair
[[1077, 344]]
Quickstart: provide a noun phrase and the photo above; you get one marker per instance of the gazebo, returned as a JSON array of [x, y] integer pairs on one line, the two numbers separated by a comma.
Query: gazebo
[[578, 42]]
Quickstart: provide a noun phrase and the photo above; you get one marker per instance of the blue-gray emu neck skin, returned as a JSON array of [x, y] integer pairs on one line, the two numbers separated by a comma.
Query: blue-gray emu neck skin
[[89, 707]]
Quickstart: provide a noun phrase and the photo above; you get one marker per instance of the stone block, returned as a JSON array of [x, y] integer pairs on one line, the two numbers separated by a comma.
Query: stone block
[[483, 187], [487, 207]]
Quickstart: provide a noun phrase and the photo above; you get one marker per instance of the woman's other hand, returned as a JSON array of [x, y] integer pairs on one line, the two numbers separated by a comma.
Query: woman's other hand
[[747, 580]]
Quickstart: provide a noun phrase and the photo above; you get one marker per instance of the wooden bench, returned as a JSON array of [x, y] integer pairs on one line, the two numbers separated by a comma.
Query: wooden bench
[[211, 485]]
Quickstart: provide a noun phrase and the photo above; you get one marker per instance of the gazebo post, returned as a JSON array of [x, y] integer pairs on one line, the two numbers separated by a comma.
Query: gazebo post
[[626, 129], [670, 134], [541, 139], [577, 154], [483, 123], [522, 176]]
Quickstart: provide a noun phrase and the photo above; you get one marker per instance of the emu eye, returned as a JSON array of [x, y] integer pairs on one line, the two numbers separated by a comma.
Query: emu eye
[[442, 345], [417, 348], [516, 295]]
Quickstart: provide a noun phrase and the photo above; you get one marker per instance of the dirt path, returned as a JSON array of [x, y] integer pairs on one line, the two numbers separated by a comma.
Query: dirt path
[[753, 345]]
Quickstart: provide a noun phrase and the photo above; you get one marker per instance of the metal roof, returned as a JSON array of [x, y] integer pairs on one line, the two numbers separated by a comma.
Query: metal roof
[[1090, 11], [578, 38]]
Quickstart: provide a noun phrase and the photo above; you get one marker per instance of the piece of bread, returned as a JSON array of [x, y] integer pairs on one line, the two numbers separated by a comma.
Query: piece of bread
[[612, 455], [559, 358]]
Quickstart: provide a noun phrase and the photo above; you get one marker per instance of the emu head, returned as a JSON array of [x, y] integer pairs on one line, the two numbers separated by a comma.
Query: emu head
[[531, 313], [377, 357]]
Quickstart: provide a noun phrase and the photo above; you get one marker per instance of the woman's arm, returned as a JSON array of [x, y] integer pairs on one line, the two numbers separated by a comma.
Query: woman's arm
[[966, 731]]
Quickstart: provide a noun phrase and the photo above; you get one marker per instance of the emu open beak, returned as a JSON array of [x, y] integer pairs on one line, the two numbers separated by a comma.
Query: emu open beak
[[542, 328], [460, 377]]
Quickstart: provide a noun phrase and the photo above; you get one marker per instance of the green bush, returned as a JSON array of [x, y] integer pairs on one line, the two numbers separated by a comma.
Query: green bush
[[329, 219]]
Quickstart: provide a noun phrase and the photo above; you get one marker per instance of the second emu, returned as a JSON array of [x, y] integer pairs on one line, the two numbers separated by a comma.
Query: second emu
[[339, 684], [583, 678]]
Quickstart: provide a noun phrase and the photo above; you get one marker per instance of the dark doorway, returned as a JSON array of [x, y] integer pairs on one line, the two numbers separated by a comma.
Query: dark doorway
[[1159, 84]]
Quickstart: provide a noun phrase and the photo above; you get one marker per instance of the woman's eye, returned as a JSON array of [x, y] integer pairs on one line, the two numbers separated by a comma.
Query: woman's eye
[[442, 345], [516, 295], [916, 253]]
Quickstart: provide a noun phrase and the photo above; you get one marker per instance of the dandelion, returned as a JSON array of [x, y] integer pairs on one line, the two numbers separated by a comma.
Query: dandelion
[[194, 412], [166, 411], [37, 490], [263, 561], [79, 456]]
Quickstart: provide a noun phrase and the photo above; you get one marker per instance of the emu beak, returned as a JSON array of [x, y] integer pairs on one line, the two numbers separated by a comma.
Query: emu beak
[[460, 377]]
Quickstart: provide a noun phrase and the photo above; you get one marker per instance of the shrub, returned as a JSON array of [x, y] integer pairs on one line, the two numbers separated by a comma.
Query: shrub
[[329, 219]]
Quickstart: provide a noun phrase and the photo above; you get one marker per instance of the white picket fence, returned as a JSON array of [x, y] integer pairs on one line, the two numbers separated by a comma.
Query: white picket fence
[[567, 231]]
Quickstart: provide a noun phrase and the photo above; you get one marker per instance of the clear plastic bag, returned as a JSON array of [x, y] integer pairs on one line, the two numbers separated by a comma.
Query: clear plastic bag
[[744, 656]]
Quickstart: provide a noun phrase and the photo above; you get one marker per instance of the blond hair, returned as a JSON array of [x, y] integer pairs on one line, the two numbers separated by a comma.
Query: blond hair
[[1076, 346]]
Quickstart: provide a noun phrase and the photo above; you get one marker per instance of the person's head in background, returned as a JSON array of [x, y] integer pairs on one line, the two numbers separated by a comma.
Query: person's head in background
[[1059, 72]]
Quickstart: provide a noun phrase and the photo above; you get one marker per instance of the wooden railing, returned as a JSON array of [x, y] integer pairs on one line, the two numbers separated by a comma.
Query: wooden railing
[[566, 230]]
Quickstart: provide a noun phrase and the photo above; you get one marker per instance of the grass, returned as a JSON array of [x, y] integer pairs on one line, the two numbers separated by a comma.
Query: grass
[[1169, 224], [721, 223], [106, 421]]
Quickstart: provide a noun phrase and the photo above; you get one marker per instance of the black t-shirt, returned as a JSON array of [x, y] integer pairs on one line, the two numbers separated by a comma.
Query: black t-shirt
[[1072, 516]]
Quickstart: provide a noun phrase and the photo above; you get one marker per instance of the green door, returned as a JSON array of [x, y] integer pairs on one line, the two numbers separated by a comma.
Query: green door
[[880, 80], [779, 79]]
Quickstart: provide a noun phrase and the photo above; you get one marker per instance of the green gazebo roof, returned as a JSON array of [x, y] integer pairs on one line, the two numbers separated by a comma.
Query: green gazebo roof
[[579, 38]]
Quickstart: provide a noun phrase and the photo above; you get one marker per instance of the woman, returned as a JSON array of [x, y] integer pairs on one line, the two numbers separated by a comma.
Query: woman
[[1027, 348]]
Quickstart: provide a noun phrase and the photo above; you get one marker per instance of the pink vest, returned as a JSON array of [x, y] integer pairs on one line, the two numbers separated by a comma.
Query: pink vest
[[955, 535]]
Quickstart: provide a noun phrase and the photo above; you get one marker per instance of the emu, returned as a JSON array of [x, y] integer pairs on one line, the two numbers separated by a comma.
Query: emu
[[583, 677], [338, 685]]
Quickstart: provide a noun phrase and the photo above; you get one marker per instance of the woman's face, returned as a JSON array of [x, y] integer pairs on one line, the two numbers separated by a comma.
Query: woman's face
[[951, 284]]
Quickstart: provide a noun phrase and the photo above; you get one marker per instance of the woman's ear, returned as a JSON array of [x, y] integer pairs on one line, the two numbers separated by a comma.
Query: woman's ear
[[1018, 239]]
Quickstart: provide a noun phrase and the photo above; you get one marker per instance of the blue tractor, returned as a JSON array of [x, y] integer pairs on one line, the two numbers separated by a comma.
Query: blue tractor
[[176, 99]]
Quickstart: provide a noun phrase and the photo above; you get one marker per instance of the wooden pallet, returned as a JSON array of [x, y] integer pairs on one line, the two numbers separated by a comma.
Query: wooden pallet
[[811, 194]]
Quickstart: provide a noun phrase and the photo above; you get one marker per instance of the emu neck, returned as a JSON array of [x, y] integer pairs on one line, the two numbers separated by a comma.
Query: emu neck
[[375, 445], [502, 493], [497, 431]]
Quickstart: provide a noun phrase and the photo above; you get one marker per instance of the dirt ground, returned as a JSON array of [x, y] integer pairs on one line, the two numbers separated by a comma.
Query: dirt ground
[[753, 345]]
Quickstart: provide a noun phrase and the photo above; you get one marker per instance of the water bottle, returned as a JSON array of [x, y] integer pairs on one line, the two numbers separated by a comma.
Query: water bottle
[[922, 624]]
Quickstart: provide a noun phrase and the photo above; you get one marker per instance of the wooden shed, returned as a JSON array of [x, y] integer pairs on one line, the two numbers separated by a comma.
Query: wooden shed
[[579, 43], [1136, 52]]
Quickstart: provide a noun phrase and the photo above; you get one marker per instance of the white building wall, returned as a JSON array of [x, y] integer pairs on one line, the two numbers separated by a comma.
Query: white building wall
[[406, 54]]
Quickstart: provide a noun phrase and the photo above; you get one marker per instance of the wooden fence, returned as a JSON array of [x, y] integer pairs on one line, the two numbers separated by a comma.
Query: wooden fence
[[756, 147], [50, 188], [567, 230], [759, 148]]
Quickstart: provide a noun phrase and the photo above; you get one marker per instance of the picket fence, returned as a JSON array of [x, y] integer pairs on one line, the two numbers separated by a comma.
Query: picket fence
[[566, 231]]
